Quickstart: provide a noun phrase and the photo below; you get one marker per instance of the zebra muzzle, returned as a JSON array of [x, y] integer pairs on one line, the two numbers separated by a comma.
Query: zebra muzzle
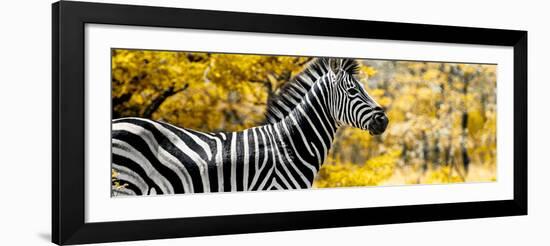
[[378, 124]]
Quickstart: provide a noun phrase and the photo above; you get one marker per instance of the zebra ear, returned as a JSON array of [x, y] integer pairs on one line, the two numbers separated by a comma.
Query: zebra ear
[[335, 66]]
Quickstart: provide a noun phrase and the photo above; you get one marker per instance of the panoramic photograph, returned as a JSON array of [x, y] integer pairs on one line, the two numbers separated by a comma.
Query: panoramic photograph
[[195, 122]]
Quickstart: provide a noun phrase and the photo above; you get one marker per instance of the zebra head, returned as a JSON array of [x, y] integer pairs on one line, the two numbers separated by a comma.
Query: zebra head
[[352, 104]]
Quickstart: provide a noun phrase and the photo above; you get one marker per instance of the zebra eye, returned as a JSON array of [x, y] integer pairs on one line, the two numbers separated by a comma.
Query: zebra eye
[[352, 91]]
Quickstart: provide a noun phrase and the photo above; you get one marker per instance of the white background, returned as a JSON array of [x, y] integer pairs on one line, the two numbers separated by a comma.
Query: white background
[[99, 204], [25, 97]]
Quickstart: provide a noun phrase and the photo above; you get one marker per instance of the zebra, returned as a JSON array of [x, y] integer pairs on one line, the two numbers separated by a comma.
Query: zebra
[[152, 157]]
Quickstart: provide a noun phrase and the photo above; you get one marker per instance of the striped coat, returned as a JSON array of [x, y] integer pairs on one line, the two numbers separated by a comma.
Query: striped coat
[[151, 157]]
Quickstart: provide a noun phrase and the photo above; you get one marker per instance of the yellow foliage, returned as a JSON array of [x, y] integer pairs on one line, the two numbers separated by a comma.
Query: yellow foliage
[[347, 174], [426, 103], [222, 91], [368, 71], [442, 175], [115, 182]]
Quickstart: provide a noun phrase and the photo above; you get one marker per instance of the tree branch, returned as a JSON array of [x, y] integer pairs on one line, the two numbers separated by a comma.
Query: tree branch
[[153, 106]]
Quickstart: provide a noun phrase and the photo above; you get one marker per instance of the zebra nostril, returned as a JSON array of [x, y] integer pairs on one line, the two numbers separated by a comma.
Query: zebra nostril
[[381, 121]]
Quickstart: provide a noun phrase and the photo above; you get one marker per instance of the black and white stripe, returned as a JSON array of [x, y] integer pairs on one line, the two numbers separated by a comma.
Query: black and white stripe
[[151, 157], [292, 92]]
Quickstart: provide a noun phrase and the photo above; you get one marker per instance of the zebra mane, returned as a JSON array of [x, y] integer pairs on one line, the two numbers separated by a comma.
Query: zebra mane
[[285, 99]]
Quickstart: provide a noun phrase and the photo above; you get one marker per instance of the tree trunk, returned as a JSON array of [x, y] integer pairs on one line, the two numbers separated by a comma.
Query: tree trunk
[[465, 157]]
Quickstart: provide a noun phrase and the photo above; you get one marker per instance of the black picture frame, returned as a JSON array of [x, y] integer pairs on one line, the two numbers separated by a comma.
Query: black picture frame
[[69, 19]]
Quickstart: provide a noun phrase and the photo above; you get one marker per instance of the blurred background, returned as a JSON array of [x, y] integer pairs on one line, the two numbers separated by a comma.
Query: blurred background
[[442, 115]]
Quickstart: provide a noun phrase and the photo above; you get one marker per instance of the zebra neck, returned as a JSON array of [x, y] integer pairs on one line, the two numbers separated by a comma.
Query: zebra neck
[[310, 126]]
